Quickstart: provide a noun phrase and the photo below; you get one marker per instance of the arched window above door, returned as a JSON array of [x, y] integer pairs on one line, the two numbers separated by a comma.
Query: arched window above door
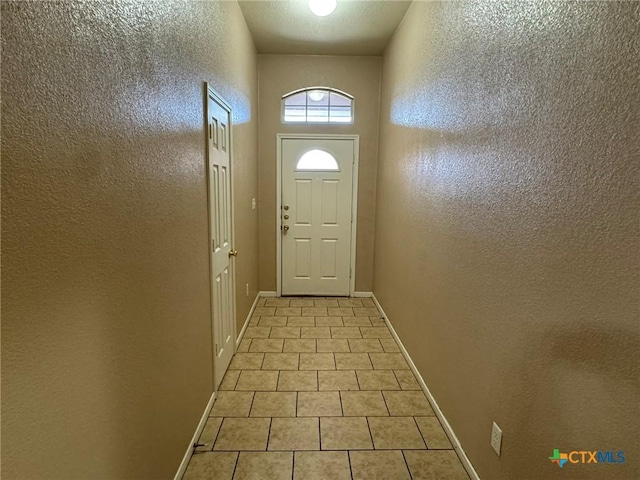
[[317, 105]]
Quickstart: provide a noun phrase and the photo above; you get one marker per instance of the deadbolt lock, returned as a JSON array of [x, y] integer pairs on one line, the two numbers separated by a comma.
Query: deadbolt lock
[[286, 217], [286, 207]]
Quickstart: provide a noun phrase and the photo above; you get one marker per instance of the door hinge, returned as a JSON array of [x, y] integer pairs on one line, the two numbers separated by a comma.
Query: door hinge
[[217, 349]]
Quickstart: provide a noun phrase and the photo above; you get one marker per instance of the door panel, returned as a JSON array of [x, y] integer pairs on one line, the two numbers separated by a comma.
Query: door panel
[[317, 209], [222, 290]]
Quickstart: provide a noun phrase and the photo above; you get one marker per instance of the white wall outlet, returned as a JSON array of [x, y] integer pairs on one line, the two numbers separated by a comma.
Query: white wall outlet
[[247, 289], [496, 438], [253, 204]]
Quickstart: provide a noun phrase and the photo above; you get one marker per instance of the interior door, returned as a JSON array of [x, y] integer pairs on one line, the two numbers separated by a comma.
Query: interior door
[[220, 229], [316, 215]]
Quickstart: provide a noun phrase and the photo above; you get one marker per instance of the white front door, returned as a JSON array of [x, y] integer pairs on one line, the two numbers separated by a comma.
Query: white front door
[[316, 215], [220, 232]]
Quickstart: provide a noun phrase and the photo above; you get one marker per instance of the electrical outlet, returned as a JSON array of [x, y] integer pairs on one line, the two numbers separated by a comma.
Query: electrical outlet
[[247, 289], [496, 438], [253, 204]]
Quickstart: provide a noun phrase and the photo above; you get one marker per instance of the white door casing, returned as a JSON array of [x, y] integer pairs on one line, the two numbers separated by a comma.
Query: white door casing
[[219, 169], [317, 240]]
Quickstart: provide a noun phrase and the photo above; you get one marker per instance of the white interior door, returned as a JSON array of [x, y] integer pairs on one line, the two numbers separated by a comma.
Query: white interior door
[[220, 227], [316, 215]]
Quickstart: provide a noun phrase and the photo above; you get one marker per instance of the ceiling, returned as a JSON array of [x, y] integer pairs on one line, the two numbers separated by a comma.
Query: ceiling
[[356, 27]]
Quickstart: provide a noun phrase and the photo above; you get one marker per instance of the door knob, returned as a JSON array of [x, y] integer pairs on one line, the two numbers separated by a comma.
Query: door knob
[[286, 217], [286, 207], [233, 253], [285, 227]]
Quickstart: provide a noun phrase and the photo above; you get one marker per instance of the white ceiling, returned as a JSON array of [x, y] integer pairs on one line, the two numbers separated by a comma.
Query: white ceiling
[[356, 27]]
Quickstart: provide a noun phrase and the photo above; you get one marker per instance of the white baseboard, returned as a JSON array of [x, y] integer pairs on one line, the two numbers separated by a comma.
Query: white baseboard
[[466, 463], [267, 294], [187, 456], [362, 294], [246, 322]]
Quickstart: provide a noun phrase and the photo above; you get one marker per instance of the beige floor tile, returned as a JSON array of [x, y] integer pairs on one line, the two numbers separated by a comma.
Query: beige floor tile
[[257, 332], [266, 345], [356, 321], [264, 466], [352, 361], [272, 322], [255, 319], [243, 434], [345, 433], [435, 464], [274, 404], [289, 311], [317, 361], [325, 345], [294, 434], [244, 346], [230, 379], [340, 312], [301, 322], [326, 302], [367, 302], [246, 361], [345, 332], [379, 465], [388, 361], [209, 434], [321, 466], [261, 302], [433, 433], [307, 345], [359, 345], [315, 332], [375, 332], [377, 380], [377, 322], [261, 380], [406, 380], [205, 466], [285, 332], [349, 302], [337, 380], [277, 302], [232, 404], [302, 302], [395, 433], [280, 361], [296, 381], [260, 311], [389, 345], [363, 404], [314, 311], [329, 322], [403, 403], [319, 404], [366, 311]]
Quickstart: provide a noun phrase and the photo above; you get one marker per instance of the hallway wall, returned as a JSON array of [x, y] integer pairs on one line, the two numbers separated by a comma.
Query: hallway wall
[[106, 335], [358, 76], [507, 225]]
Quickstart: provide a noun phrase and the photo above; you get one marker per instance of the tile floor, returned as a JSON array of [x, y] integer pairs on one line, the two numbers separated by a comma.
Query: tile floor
[[319, 390]]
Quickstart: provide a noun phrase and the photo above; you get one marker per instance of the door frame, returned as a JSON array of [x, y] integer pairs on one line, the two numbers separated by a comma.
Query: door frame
[[211, 93], [354, 200]]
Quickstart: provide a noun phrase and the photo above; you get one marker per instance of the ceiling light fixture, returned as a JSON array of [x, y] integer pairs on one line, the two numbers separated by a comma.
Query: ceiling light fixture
[[316, 95], [322, 8]]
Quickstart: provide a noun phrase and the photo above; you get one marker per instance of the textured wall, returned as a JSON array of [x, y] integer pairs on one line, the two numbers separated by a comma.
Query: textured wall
[[507, 225], [106, 338], [358, 76]]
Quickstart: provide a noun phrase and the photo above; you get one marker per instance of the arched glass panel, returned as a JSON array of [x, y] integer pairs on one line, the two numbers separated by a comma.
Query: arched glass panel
[[318, 160], [317, 105]]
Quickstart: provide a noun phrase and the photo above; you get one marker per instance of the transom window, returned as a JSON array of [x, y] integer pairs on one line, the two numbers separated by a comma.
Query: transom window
[[317, 105], [317, 160]]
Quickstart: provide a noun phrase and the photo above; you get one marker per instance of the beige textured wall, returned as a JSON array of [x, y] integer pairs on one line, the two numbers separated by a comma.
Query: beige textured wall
[[106, 338], [358, 76], [507, 225]]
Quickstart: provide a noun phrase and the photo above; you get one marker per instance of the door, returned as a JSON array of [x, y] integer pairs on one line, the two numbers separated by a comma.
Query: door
[[221, 234], [316, 215]]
